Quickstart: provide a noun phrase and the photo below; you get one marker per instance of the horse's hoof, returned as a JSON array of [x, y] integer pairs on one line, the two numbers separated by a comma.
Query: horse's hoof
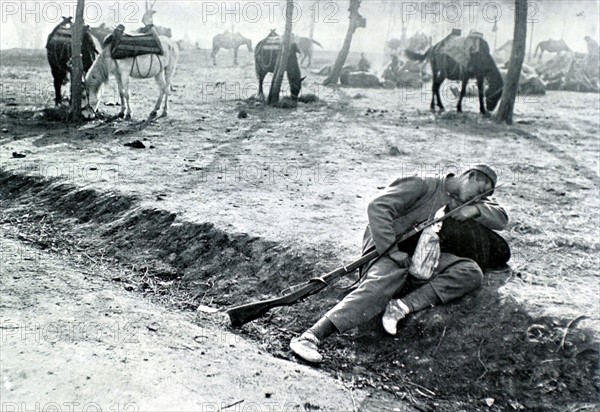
[[163, 114], [152, 114], [128, 116], [486, 114]]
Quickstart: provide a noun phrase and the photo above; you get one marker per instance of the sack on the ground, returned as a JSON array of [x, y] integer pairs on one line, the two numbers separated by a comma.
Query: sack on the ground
[[427, 254]]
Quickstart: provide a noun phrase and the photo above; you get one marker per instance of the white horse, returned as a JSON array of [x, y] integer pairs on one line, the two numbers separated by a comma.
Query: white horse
[[161, 67]]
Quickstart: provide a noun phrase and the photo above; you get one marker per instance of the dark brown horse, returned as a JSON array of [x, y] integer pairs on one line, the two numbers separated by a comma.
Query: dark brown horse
[[478, 63], [58, 51], [265, 57]]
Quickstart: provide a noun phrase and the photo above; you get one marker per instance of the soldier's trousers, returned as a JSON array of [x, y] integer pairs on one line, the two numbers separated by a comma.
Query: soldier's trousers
[[385, 279]]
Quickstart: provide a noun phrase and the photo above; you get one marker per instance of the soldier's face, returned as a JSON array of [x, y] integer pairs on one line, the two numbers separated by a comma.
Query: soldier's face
[[474, 184]]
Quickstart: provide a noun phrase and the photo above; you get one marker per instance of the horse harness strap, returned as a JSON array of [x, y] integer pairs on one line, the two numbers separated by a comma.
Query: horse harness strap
[[136, 63]]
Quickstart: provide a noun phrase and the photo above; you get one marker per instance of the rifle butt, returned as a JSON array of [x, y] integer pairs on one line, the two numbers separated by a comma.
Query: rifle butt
[[240, 315]]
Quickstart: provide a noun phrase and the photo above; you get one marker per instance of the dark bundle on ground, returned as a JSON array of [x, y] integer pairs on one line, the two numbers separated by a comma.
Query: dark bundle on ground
[[56, 114], [308, 98], [286, 103], [136, 144]]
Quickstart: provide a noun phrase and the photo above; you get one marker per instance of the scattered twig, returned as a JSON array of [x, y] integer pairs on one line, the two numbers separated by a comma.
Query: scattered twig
[[230, 405], [416, 385], [350, 391], [420, 392], [440, 342], [480, 361], [90, 258], [571, 323], [550, 360], [583, 407]]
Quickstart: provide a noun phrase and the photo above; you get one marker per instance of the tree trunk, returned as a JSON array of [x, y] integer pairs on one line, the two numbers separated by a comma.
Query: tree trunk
[[284, 55], [511, 84], [356, 21], [77, 63]]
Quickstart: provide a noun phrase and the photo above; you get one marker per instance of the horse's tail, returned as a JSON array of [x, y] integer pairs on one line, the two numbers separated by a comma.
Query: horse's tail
[[316, 42], [417, 56]]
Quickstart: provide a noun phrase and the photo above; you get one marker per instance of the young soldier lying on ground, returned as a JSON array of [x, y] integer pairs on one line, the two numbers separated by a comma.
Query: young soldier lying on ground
[[457, 271]]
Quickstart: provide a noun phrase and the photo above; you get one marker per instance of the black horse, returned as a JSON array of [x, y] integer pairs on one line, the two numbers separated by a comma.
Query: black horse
[[58, 50], [265, 57], [478, 64]]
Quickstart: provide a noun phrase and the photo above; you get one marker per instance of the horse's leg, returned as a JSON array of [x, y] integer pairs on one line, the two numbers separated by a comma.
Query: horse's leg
[[169, 72], [437, 93], [58, 81], [433, 82], [261, 78], [438, 86], [121, 94], [463, 91], [480, 86], [123, 82], [214, 54], [162, 85], [235, 54]]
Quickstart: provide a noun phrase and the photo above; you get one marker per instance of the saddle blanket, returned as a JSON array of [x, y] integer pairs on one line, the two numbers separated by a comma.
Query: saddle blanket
[[460, 48], [60, 36], [128, 45], [272, 43]]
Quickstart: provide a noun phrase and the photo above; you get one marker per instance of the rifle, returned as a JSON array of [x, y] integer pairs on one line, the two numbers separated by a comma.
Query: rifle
[[242, 314]]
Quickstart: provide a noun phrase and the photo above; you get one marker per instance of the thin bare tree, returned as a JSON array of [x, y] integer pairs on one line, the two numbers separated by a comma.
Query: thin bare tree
[[511, 84], [284, 55], [356, 21], [77, 63]]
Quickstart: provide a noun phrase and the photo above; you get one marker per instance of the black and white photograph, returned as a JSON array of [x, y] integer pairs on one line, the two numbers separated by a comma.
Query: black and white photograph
[[299, 205]]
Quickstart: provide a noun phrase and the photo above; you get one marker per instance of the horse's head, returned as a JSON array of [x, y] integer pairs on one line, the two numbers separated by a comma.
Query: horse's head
[[94, 79], [493, 94], [484, 62], [296, 86]]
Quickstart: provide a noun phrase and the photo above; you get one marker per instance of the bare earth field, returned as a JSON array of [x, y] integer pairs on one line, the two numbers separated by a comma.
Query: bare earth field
[[220, 209]]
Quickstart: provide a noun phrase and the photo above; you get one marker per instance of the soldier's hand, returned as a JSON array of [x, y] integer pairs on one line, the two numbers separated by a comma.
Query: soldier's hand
[[465, 213], [401, 258]]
